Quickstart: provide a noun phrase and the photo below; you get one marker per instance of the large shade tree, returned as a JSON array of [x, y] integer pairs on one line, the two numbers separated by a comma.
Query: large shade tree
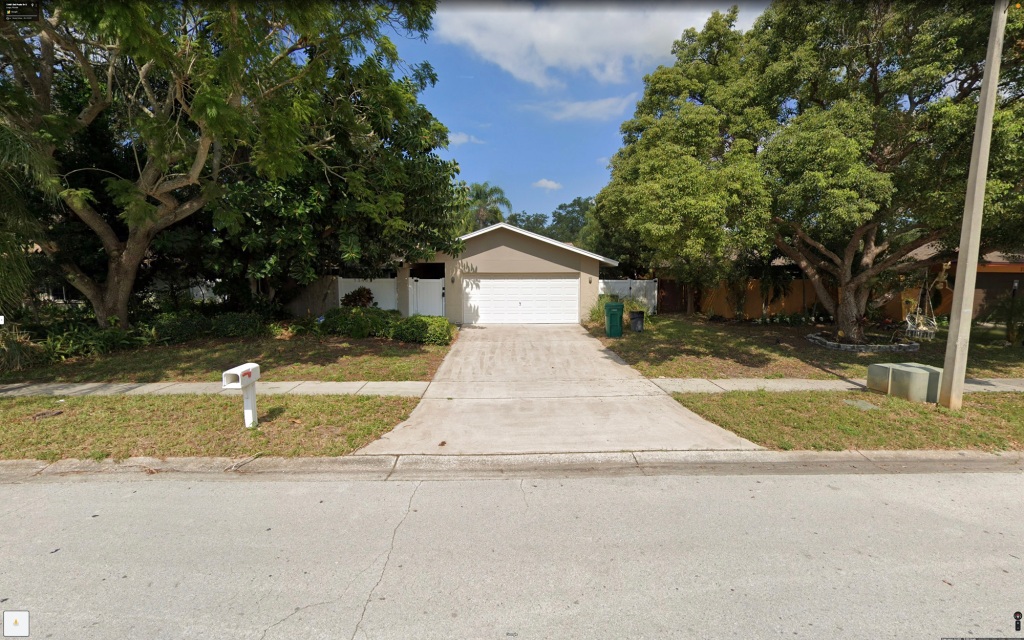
[[569, 218], [535, 222], [859, 118], [177, 94], [681, 187], [378, 194]]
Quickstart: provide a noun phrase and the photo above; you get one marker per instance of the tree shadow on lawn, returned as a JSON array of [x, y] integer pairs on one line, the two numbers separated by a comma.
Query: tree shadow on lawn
[[279, 359], [697, 348], [666, 339]]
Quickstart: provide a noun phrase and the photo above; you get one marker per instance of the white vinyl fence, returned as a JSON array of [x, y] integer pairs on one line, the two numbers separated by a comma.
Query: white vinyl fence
[[643, 290], [385, 290]]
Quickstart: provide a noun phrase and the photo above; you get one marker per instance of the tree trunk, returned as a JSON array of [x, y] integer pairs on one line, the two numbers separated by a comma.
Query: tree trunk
[[689, 299], [113, 307], [849, 312], [110, 298]]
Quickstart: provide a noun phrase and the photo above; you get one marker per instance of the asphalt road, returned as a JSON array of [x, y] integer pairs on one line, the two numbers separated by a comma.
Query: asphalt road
[[770, 556]]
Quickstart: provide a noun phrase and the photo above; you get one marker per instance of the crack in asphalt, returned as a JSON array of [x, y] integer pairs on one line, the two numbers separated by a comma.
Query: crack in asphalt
[[297, 610], [394, 534], [525, 501]]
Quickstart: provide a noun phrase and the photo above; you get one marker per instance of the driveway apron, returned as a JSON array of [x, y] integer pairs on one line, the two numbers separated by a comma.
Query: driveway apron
[[545, 389]]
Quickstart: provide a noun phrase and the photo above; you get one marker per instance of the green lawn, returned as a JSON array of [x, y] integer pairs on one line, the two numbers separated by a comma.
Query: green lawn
[[281, 359], [674, 346], [160, 426], [824, 421]]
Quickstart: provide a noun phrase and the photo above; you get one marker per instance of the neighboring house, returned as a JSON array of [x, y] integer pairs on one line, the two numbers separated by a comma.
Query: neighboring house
[[505, 275], [996, 274]]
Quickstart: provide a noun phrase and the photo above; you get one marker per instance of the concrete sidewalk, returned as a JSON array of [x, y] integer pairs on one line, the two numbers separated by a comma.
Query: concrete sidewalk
[[703, 385], [480, 390], [412, 389]]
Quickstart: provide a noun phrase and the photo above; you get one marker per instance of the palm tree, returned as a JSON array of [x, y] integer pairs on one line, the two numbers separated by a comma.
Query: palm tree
[[22, 165], [485, 206]]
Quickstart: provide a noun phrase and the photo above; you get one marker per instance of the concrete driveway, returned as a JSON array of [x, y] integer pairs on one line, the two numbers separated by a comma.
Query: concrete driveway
[[544, 389]]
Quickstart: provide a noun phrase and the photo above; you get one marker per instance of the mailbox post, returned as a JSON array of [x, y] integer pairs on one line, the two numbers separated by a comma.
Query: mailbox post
[[244, 377]]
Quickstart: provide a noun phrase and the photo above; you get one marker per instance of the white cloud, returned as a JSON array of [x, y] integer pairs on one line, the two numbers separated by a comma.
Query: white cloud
[[603, 41], [601, 109], [544, 183], [603, 161], [458, 138]]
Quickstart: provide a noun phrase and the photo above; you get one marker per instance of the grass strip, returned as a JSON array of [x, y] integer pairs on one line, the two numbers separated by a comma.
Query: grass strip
[[820, 420], [285, 358], [119, 427], [676, 346]]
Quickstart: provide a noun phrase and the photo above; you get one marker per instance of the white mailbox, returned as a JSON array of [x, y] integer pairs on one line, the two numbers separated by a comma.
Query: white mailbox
[[244, 377], [240, 377]]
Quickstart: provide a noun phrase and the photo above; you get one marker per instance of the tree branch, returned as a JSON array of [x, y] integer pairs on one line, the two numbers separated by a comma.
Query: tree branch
[[890, 261], [811, 241], [97, 102], [852, 246], [180, 213], [24, 62], [111, 244], [146, 87], [192, 177], [74, 274], [812, 272]]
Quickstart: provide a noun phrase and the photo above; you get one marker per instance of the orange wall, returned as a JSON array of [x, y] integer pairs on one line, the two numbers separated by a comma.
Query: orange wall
[[801, 295], [716, 302]]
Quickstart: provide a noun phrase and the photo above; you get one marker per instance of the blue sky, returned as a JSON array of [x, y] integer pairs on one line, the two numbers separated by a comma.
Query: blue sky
[[533, 95]]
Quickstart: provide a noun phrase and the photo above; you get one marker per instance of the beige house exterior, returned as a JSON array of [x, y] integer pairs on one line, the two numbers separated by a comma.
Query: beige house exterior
[[508, 274]]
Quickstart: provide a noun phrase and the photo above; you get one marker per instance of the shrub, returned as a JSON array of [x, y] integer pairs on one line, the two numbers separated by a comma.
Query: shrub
[[238, 325], [632, 304], [360, 322], [56, 317], [628, 304], [357, 324], [597, 311], [336, 321], [183, 326], [84, 340], [425, 330], [307, 326], [17, 351], [382, 322], [361, 297]]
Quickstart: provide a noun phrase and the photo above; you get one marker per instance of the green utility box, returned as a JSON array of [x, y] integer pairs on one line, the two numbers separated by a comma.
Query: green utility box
[[613, 319]]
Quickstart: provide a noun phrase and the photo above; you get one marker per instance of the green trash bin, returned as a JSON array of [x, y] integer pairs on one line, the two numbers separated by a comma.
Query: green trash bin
[[613, 319]]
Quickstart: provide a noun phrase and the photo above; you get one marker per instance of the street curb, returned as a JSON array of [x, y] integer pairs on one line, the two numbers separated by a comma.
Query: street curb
[[452, 467]]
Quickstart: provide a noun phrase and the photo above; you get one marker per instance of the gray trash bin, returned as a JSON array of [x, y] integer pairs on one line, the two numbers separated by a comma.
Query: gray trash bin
[[636, 320]]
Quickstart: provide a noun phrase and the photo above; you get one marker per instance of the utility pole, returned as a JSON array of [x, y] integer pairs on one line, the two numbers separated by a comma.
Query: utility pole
[[951, 392]]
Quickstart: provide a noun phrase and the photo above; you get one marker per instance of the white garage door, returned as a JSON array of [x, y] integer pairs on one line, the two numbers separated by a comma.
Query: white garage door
[[522, 300]]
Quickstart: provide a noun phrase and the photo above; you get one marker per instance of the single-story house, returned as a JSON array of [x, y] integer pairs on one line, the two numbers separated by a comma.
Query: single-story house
[[505, 275]]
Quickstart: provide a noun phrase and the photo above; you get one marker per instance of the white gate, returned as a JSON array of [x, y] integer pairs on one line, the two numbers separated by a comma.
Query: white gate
[[426, 297], [645, 291]]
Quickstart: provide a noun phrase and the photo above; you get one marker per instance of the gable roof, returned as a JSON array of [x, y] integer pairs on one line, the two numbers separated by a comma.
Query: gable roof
[[537, 236]]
